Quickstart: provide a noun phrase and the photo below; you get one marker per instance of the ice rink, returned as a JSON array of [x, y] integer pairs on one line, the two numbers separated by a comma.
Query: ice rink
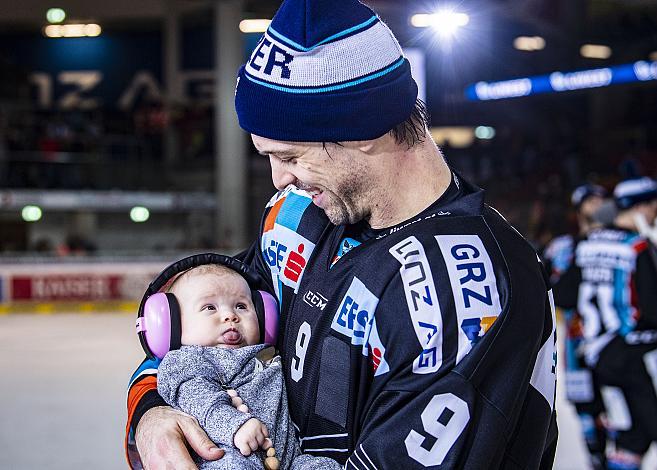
[[62, 398]]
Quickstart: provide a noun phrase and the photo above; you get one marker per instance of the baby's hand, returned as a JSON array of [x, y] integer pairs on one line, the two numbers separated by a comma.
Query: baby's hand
[[251, 436]]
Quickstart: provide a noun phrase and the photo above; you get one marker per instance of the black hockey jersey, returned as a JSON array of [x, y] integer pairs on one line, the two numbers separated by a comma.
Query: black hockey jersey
[[431, 345], [611, 283]]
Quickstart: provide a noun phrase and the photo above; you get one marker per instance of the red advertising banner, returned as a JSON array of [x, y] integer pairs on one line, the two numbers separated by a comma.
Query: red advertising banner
[[68, 287]]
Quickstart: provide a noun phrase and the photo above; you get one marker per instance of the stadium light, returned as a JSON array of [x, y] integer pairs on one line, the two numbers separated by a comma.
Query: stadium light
[[444, 22], [595, 51], [254, 26], [31, 213], [55, 15], [139, 214], [529, 43], [484, 132], [72, 30]]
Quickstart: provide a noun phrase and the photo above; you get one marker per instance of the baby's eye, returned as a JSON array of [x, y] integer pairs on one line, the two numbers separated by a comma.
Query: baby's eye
[[209, 307], [241, 306]]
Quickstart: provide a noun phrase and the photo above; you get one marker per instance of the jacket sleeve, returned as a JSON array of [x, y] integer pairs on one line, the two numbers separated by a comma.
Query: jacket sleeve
[[460, 414], [646, 281]]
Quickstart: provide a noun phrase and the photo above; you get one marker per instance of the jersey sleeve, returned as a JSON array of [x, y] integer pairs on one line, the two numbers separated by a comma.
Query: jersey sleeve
[[451, 394], [142, 396], [566, 289]]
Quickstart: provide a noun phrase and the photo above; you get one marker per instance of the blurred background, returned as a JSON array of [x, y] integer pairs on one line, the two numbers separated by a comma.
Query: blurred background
[[120, 152]]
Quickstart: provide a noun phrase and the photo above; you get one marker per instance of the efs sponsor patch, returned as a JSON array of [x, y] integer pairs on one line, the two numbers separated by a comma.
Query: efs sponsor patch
[[355, 314], [354, 318]]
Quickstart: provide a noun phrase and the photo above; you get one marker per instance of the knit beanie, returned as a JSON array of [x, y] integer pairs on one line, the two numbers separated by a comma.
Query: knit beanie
[[583, 192], [325, 71], [630, 192]]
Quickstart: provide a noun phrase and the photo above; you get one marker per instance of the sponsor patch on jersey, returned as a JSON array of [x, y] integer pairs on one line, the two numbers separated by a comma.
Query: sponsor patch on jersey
[[286, 253], [474, 287], [346, 246], [315, 299], [544, 375], [422, 303], [355, 314], [378, 352]]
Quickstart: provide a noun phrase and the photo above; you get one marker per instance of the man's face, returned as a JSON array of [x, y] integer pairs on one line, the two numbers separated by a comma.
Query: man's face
[[216, 310], [649, 210], [335, 176], [590, 206]]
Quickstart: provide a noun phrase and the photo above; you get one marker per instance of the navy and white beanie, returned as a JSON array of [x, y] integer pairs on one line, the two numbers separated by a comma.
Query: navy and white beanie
[[325, 71], [583, 192], [630, 192]]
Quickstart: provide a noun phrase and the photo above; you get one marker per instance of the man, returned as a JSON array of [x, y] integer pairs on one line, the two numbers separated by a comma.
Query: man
[[416, 328], [612, 284], [581, 390]]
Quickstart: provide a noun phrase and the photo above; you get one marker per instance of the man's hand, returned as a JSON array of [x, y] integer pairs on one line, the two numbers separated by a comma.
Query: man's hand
[[251, 436], [162, 435]]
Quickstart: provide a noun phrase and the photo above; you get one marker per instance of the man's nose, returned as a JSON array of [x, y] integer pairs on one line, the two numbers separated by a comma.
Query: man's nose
[[279, 175]]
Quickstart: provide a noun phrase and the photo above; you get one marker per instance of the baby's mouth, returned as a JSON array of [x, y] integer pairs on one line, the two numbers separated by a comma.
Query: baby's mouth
[[232, 337]]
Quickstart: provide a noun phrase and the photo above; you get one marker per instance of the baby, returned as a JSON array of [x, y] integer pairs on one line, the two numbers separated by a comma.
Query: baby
[[221, 362]]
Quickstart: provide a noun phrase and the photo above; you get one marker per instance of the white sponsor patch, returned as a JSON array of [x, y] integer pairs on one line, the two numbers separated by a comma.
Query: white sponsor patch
[[544, 377], [286, 253], [474, 287], [378, 351], [422, 303], [355, 315]]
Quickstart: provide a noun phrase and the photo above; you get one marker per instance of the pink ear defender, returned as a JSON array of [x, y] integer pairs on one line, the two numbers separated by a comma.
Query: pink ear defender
[[158, 321], [271, 317], [156, 324]]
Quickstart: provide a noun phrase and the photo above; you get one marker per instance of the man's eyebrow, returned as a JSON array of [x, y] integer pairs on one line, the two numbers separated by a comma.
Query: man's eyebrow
[[281, 153]]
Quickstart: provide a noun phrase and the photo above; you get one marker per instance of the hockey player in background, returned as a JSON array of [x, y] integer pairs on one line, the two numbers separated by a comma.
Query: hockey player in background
[[581, 389], [416, 323], [613, 285]]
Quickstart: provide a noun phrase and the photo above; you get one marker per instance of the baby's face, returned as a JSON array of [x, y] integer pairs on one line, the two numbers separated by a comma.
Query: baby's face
[[216, 310]]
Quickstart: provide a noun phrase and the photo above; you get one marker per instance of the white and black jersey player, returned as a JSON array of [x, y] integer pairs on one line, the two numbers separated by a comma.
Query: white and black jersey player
[[611, 284]]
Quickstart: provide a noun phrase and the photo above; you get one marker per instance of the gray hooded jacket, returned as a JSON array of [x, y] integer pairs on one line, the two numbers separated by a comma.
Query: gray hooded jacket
[[194, 379]]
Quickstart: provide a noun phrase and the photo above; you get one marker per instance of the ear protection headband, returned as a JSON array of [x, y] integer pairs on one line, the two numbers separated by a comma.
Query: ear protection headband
[[158, 318]]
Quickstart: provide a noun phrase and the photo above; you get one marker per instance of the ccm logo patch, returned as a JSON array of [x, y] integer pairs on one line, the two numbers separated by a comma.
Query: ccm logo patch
[[315, 300]]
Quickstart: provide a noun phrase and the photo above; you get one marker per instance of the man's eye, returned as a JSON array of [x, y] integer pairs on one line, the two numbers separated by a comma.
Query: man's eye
[[241, 306]]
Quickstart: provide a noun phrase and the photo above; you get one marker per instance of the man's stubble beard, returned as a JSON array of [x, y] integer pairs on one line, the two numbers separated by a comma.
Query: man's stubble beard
[[344, 207]]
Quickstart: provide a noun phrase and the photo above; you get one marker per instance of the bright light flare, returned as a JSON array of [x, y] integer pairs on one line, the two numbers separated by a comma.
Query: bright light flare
[[484, 132], [55, 15], [529, 43], [595, 51], [72, 30], [445, 22], [139, 214], [31, 213], [254, 26]]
